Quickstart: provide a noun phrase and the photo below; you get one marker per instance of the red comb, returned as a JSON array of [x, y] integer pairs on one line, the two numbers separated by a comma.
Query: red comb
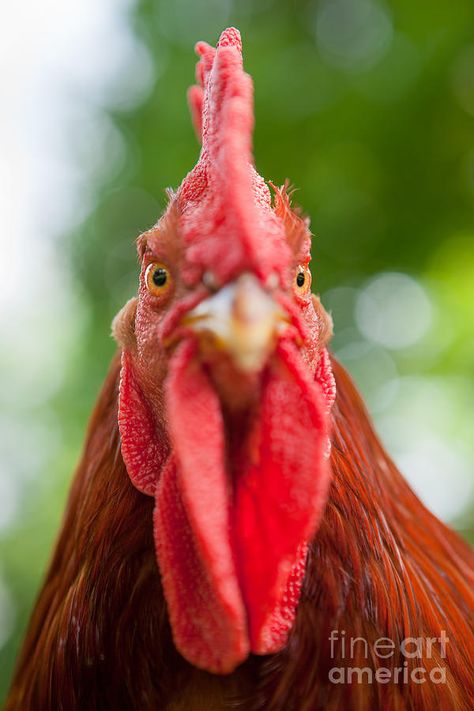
[[227, 219]]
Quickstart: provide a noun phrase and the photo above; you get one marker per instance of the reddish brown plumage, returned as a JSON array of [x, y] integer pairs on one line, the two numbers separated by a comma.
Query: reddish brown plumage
[[380, 565]]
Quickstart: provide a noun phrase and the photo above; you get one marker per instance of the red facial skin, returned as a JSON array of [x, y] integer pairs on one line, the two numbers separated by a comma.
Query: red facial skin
[[237, 461]]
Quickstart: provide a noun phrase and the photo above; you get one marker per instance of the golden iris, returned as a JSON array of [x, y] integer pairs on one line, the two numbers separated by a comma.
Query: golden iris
[[302, 280], [157, 278]]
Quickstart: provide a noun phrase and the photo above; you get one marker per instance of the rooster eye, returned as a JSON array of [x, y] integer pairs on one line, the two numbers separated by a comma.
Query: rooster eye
[[157, 279], [302, 280]]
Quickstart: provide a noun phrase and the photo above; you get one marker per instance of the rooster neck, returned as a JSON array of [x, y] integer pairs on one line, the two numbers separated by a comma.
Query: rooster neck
[[379, 566], [99, 635]]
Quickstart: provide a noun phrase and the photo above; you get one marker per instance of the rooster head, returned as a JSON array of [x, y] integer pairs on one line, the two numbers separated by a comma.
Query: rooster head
[[226, 386]]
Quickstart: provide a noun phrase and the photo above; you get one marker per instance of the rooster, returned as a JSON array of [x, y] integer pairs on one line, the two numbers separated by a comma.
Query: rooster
[[236, 537]]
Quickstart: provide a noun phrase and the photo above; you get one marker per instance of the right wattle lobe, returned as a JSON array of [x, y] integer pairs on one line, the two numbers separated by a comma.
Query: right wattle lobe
[[280, 498]]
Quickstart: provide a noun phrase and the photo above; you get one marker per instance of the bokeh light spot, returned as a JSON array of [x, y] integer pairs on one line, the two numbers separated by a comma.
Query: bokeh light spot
[[187, 22], [353, 34], [393, 310]]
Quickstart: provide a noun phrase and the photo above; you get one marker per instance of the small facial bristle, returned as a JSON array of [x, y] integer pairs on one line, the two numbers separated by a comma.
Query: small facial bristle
[[165, 233], [295, 223], [141, 243]]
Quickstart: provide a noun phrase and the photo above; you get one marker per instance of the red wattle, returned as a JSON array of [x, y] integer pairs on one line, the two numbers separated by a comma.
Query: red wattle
[[279, 498], [206, 614], [144, 443], [192, 524], [231, 545]]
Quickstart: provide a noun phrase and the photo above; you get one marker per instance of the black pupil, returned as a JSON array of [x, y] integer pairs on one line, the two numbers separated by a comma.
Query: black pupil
[[160, 276], [300, 279]]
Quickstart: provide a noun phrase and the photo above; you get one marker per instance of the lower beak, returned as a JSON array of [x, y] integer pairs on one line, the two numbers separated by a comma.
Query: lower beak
[[242, 320]]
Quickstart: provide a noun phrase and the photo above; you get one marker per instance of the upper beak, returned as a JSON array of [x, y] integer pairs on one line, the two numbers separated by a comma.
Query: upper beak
[[241, 319]]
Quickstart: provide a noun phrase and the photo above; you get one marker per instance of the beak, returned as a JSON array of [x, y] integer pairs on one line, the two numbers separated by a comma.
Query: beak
[[242, 320]]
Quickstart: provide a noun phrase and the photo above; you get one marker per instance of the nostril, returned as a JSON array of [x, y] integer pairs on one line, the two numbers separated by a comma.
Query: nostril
[[210, 281], [272, 281]]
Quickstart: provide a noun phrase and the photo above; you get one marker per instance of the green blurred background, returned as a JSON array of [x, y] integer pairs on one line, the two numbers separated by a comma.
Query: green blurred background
[[366, 106]]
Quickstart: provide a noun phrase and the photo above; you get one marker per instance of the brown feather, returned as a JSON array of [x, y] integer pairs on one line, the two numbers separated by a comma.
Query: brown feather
[[380, 566]]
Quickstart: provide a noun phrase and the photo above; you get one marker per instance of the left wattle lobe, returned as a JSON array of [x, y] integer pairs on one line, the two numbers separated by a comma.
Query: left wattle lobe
[[206, 614], [192, 524]]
